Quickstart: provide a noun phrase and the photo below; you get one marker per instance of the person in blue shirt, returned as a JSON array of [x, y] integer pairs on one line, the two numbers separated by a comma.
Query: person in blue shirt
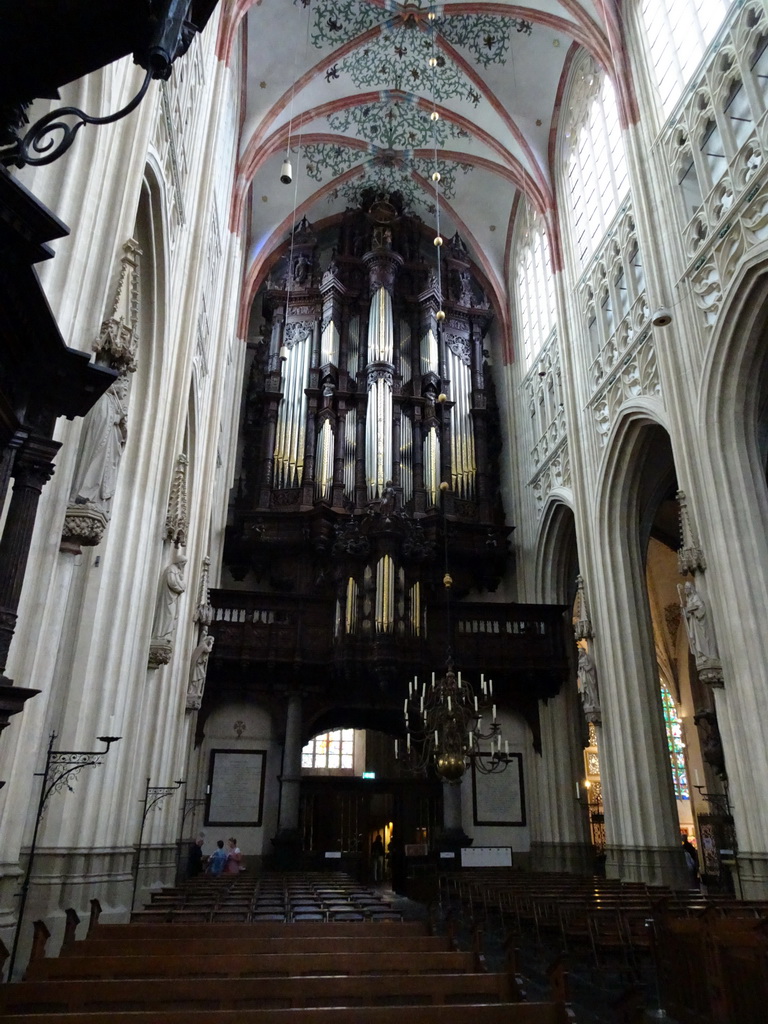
[[217, 859]]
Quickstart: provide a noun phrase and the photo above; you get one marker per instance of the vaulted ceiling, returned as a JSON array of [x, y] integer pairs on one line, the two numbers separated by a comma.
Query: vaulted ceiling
[[348, 86]]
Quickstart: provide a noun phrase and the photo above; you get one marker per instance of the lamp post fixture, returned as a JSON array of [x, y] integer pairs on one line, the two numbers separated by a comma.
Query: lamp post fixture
[[190, 805], [152, 796], [61, 769]]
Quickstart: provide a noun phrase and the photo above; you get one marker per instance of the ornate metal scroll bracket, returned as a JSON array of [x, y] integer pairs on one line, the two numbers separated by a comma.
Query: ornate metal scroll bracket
[[152, 797], [50, 137]]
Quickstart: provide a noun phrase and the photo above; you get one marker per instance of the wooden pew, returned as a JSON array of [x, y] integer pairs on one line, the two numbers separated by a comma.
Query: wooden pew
[[713, 969], [254, 993], [201, 945], [243, 965], [484, 1013], [266, 929]]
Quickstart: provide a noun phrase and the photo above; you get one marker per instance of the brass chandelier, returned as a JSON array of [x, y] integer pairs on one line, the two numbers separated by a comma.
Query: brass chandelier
[[444, 719], [444, 727]]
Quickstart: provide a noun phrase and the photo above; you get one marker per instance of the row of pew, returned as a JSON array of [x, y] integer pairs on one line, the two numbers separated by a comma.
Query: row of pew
[[709, 953], [266, 972], [307, 897]]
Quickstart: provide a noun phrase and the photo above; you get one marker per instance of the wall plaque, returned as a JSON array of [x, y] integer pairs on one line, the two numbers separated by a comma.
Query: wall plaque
[[499, 799], [236, 787]]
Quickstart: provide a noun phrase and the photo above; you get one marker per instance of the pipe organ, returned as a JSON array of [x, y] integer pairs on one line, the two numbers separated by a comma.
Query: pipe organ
[[366, 435]]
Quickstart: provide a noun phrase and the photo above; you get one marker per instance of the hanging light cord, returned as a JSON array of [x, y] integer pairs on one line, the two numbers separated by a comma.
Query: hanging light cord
[[434, 118], [289, 276]]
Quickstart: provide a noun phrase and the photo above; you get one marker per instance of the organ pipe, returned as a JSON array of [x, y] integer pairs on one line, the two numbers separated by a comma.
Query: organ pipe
[[462, 428], [291, 416], [406, 456], [353, 346], [429, 355], [432, 465], [385, 594], [350, 611], [414, 603], [324, 462], [380, 329], [378, 437], [350, 439], [329, 344], [405, 351]]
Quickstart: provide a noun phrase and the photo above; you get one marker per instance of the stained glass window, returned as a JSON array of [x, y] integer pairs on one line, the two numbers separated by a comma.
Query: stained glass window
[[330, 750], [676, 746]]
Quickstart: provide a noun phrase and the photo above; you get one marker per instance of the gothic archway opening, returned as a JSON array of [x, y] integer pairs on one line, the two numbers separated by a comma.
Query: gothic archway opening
[[564, 839], [679, 619]]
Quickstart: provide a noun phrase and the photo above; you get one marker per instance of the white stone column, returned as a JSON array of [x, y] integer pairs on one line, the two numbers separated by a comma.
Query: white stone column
[[559, 836], [287, 842]]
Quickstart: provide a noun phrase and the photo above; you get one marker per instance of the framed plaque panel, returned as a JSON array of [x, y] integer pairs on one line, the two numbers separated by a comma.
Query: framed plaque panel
[[499, 799], [236, 787]]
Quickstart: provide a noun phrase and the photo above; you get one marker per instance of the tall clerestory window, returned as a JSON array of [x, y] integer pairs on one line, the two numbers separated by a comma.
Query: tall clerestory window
[[596, 165], [677, 33], [537, 314], [674, 728]]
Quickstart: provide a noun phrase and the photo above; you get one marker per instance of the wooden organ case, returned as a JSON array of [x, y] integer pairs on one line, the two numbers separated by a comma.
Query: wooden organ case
[[370, 450]]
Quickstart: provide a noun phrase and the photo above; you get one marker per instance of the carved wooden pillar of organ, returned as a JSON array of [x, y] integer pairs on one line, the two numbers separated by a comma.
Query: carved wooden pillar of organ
[[268, 462], [396, 414], [32, 468], [275, 341], [337, 499], [361, 499], [310, 443], [314, 359], [419, 494], [333, 292]]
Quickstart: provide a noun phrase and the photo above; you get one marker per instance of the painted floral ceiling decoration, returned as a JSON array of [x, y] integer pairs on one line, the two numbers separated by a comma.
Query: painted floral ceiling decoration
[[346, 89], [399, 40], [393, 127], [398, 43], [391, 171], [395, 120]]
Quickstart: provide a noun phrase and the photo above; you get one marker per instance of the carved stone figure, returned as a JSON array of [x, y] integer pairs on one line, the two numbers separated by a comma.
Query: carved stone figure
[[711, 744], [388, 499], [694, 609], [465, 288], [587, 679], [197, 672], [101, 449], [172, 585], [301, 270], [700, 639]]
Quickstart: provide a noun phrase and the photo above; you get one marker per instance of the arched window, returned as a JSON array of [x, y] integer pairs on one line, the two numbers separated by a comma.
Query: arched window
[[678, 32], [537, 313], [331, 750], [676, 746], [596, 163]]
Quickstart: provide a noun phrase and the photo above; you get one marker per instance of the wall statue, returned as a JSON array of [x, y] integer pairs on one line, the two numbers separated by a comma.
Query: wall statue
[[101, 448], [700, 639], [197, 672], [172, 586], [586, 675]]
